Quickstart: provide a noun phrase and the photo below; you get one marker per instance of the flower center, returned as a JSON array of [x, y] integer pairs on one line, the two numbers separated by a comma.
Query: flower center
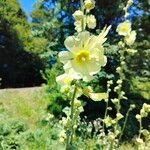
[[124, 28], [82, 56], [67, 80]]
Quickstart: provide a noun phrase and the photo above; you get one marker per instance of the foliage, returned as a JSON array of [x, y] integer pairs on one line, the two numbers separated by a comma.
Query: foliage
[[57, 100], [141, 86], [18, 66], [20, 134]]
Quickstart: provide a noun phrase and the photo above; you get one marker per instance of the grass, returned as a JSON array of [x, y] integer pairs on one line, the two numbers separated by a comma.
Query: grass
[[25, 104]]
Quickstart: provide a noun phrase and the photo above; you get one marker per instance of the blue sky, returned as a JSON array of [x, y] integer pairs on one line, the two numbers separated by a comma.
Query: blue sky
[[27, 6]]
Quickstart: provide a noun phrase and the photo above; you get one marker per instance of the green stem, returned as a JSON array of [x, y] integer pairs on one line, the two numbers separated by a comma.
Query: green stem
[[111, 146], [105, 113], [72, 112], [70, 135], [140, 127], [67, 142], [82, 9], [81, 5], [125, 123]]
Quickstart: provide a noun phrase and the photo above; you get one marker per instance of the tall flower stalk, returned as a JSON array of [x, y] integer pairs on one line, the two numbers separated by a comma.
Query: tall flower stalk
[[83, 59]]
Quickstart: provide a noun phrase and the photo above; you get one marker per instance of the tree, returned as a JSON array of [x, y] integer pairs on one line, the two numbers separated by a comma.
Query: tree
[[18, 66]]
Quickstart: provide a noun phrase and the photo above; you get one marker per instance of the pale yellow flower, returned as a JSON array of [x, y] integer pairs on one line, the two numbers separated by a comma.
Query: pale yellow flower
[[85, 55], [130, 38], [124, 28], [91, 21], [64, 81], [89, 4], [78, 15]]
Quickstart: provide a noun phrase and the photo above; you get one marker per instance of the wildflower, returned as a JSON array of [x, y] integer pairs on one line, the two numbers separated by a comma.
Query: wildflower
[[91, 21], [130, 38], [85, 56], [64, 81], [89, 4], [78, 15], [124, 28]]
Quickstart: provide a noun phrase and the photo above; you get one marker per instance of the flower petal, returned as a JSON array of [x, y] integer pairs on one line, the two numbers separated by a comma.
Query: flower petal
[[98, 96], [64, 56]]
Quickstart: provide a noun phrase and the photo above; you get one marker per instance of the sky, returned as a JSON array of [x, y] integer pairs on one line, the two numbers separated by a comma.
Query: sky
[[27, 6]]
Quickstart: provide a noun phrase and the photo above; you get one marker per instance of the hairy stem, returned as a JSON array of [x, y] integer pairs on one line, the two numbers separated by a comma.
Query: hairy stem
[[140, 121], [71, 130], [105, 113], [125, 123]]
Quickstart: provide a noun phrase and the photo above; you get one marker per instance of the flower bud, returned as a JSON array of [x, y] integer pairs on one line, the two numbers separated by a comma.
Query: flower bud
[[111, 137], [122, 62], [110, 82], [139, 141], [118, 69], [138, 117], [132, 106], [91, 21], [89, 4], [119, 81], [77, 103], [115, 100], [119, 116], [78, 15], [121, 44]]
